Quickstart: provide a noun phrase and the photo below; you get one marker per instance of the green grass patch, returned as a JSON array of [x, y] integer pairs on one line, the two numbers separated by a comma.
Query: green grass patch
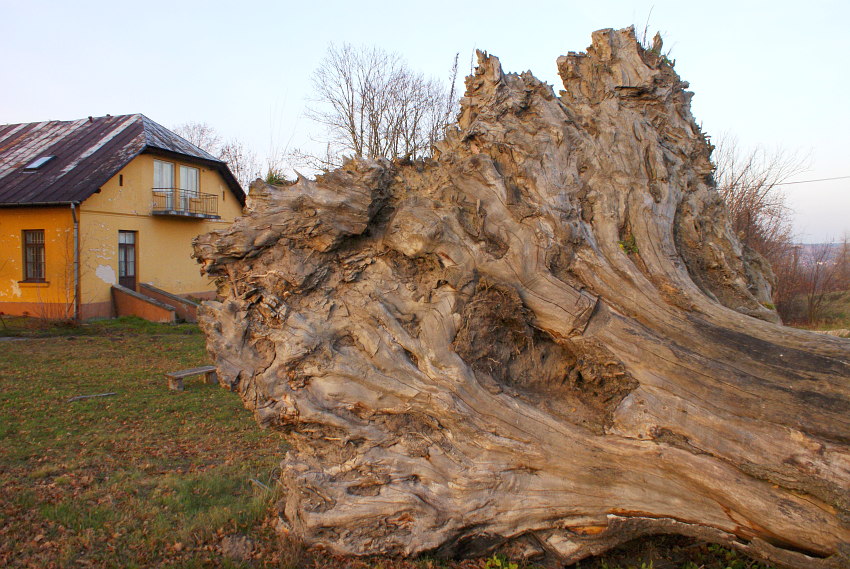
[[27, 327], [146, 477], [835, 313]]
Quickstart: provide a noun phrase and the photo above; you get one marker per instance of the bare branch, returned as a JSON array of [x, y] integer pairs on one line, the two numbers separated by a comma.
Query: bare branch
[[372, 105], [241, 160], [201, 134], [749, 183]]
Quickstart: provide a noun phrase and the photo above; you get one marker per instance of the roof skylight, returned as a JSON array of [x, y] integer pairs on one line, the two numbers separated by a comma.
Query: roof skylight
[[38, 163]]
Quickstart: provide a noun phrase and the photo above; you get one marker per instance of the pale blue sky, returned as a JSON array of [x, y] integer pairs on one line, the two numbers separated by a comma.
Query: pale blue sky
[[774, 73]]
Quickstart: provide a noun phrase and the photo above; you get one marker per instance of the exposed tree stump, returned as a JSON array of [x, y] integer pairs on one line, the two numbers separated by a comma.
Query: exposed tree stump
[[546, 338]]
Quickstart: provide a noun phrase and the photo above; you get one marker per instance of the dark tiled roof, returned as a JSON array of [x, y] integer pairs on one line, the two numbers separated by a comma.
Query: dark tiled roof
[[88, 152]]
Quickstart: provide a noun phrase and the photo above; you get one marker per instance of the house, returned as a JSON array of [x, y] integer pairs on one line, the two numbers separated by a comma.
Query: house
[[99, 205]]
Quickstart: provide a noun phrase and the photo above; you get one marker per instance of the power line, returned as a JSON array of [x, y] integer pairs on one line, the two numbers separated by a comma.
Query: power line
[[807, 181]]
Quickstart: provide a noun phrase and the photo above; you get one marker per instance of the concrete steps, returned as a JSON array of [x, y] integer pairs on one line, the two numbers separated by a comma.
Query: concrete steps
[[153, 304]]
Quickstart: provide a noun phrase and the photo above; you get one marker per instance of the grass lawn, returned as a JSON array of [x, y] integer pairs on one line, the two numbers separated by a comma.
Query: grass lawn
[[836, 310], [154, 478], [146, 477]]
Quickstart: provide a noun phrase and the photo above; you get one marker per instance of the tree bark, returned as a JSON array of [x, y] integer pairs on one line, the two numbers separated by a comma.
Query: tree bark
[[546, 338]]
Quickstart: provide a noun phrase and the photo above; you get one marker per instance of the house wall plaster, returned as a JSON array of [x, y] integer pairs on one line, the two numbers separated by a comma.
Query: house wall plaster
[[164, 244]]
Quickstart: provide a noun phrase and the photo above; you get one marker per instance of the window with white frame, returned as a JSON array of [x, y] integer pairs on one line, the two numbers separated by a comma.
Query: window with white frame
[[189, 186], [163, 182]]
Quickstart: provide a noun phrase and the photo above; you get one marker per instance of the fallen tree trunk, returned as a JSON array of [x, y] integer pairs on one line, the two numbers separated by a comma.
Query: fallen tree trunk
[[545, 338]]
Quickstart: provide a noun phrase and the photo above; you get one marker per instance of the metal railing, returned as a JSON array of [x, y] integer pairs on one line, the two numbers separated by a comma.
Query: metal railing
[[175, 201]]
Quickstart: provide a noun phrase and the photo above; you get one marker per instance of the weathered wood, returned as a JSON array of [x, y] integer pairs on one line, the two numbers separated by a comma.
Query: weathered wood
[[547, 337], [175, 378]]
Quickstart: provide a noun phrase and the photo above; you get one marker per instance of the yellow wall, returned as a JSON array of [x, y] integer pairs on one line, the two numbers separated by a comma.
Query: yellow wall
[[164, 243], [163, 247], [53, 298]]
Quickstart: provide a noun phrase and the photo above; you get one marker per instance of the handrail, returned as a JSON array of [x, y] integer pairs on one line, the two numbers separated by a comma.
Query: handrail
[[177, 201]]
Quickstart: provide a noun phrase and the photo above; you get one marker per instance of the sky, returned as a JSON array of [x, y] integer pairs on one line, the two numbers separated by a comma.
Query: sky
[[773, 74]]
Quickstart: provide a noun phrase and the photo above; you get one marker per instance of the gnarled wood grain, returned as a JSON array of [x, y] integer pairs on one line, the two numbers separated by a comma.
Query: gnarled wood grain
[[546, 337]]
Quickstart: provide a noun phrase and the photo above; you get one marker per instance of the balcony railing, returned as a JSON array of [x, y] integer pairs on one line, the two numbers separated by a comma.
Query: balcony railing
[[184, 203]]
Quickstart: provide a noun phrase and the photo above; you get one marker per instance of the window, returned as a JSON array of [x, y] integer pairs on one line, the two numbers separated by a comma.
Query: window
[[163, 175], [189, 178], [127, 259], [189, 186], [38, 163], [163, 182], [33, 255]]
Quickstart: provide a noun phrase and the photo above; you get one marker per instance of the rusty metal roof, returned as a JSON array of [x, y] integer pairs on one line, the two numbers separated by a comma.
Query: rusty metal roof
[[87, 153]]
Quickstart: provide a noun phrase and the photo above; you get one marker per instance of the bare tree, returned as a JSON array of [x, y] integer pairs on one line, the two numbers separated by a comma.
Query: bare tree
[[808, 275], [373, 105], [790, 282], [201, 134], [750, 184], [241, 160], [823, 272]]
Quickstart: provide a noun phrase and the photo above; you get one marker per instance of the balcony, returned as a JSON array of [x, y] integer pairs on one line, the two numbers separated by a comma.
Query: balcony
[[184, 203]]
